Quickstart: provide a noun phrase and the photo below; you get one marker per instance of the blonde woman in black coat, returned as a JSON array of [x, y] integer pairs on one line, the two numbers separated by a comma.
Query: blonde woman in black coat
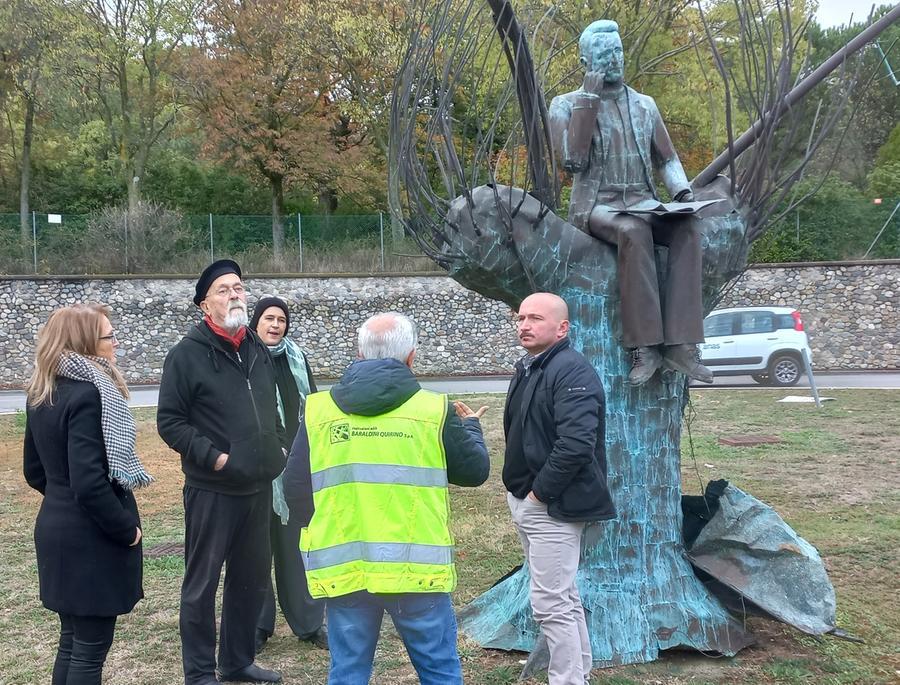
[[79, 454]]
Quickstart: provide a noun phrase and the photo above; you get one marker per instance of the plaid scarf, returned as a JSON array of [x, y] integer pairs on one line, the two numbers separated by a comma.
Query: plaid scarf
[[116, 421]]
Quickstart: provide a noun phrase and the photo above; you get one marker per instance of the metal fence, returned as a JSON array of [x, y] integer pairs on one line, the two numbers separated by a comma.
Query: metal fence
[[160, 241]]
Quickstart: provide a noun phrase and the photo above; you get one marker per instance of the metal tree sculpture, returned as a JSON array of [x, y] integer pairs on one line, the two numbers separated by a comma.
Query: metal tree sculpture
[[474, 182]]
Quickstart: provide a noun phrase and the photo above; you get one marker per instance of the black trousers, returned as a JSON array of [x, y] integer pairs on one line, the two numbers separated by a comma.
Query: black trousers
[[230, 530], [303, 614], [84, 642]]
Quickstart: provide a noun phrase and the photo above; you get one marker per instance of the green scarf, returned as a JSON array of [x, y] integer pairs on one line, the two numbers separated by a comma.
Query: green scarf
[[297, 365]]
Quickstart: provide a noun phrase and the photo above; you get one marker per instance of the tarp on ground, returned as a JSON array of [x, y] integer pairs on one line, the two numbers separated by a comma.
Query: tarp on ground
[[747, 546]]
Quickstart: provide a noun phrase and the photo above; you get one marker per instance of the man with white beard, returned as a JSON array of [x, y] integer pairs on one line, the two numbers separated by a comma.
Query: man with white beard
[[217, 409]]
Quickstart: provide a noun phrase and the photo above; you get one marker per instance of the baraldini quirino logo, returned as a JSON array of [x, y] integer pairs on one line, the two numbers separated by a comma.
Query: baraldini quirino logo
[[340, 432], [343, 432]]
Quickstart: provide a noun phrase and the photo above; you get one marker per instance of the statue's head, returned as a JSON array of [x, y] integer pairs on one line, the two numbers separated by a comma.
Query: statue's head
[[600, 49]]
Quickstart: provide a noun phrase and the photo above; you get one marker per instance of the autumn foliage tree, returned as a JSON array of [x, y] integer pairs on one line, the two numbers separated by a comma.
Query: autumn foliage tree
[[211, 105], [268, 103]]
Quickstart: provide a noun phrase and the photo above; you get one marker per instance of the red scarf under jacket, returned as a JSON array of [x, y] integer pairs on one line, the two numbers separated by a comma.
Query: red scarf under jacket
[[235, 339]]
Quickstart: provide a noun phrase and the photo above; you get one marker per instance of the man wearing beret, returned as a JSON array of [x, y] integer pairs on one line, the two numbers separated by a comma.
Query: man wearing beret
[[217, 409]]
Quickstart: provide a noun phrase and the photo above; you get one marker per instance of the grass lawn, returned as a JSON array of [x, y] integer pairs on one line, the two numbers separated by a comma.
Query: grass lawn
[[835, 479]]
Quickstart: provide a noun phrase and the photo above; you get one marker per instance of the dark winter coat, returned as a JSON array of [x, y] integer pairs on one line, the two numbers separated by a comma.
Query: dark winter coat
[[213, 400], [558, 411], [371, 387], [86, 523]]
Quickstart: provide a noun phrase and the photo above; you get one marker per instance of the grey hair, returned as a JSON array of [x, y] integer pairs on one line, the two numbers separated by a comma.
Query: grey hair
[[389, 335]]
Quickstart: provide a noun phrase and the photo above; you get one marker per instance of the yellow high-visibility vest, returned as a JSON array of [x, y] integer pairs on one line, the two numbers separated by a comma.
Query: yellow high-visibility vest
[[382, 507]]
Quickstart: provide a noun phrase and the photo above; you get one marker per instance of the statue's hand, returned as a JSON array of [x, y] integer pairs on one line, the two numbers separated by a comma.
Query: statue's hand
[[686, 195], [593, 82]]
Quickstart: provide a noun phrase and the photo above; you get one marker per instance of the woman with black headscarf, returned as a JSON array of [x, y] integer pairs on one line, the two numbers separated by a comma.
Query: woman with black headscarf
[[293, 377]]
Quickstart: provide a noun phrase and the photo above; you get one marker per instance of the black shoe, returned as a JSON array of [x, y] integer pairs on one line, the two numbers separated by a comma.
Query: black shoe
[[317, 639], [686, 359], [251, 674], [261, 638], [644, 363]]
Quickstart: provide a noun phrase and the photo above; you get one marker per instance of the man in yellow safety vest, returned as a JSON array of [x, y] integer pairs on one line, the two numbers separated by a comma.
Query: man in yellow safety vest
[[368, 476]]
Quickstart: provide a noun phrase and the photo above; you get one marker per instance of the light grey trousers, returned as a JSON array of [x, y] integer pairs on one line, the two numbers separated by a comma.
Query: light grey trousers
[[552, 549]]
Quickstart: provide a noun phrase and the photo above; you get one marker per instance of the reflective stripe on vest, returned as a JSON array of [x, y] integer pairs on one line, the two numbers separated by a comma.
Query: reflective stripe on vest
[[396, 552], [382, 508], [379, 473]]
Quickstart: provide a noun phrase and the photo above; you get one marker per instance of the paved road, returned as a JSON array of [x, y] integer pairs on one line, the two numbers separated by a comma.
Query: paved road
[[146, 396], [884, 380]]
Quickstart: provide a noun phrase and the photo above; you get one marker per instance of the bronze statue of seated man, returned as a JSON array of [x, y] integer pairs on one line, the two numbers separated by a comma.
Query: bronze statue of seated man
[[613, 139]]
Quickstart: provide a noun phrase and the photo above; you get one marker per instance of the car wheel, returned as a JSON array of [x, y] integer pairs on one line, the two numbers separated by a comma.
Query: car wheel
[[784, 370], [761, 378]]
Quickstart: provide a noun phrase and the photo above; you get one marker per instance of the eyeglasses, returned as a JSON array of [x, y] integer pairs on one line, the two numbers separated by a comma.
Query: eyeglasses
[[111, 337], [222, 291]]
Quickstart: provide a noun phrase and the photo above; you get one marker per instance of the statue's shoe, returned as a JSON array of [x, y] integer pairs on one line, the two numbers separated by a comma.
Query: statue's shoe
[[686, 359], [644, 363]]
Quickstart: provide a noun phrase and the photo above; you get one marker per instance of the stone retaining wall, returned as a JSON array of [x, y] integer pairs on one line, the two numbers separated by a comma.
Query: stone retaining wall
[[460, 331], [852, 312]]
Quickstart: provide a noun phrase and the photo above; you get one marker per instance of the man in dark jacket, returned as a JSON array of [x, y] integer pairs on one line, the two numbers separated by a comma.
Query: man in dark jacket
[[383, 451], [555, 472], [217, 410]]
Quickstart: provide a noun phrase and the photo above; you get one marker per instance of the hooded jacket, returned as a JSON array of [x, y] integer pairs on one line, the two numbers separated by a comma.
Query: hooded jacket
[[213, 400], [371, 387]]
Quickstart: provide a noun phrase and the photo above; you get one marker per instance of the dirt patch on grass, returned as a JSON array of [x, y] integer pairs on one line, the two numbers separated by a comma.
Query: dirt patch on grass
[[847, 451]]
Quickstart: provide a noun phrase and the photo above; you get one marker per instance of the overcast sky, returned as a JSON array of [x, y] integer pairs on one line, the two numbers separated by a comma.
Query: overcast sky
[[836, 12]]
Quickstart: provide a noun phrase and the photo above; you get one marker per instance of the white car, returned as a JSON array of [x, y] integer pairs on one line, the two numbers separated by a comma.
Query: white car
[[765, 342]]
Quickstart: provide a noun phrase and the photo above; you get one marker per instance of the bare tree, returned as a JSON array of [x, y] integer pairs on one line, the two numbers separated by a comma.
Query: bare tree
[[31, 28], [130, 53]]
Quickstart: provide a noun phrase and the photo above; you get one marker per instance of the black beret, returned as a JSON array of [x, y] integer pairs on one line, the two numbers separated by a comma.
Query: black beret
[[211, 273], [270, 301]]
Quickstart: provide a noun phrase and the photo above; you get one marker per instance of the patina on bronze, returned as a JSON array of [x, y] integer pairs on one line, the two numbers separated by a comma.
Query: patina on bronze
[[639, 591]]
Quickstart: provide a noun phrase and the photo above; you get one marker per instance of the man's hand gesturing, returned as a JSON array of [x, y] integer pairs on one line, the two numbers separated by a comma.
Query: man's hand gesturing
[[463, 411]]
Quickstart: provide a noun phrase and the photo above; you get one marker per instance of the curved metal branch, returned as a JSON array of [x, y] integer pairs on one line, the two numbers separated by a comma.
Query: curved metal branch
[[532, 106], [768, 121]]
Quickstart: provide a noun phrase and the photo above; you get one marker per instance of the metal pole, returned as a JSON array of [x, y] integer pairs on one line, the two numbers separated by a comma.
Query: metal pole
[[882, 230], [887, 65], [211, 247], [812, 381], [796, 94], [381, 229], [300, 240], [34, 238]]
